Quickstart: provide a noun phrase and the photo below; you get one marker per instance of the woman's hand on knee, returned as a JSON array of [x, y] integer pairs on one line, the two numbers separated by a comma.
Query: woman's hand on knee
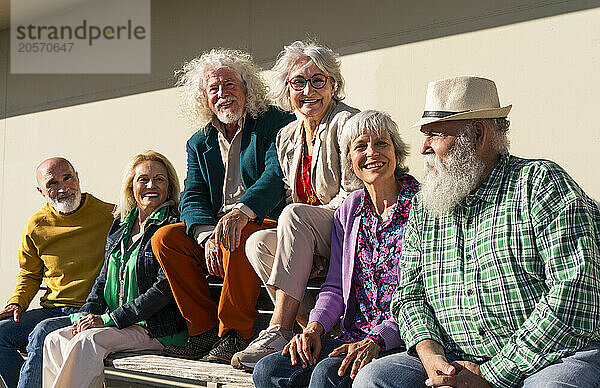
[[358, 354], [305, 346], [87, 322]]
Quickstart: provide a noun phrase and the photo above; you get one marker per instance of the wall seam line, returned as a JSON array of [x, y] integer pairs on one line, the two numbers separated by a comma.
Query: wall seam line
[[4, 129]]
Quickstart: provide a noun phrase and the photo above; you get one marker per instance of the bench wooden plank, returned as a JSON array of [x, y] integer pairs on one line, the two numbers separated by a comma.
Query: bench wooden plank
[[136, 370], [193, 371]]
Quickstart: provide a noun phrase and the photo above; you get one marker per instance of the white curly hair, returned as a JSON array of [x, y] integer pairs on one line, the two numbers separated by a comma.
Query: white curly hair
[[191, 78]]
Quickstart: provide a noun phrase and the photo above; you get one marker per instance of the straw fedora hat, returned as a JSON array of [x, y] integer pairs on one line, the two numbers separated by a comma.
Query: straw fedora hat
[[461, 98]]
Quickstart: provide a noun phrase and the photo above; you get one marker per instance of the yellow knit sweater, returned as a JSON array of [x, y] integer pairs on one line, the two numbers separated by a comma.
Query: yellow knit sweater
[[67, 252]]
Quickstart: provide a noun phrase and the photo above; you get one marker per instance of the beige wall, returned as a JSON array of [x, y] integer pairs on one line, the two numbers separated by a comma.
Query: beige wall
[[546, 66], [99, 138]]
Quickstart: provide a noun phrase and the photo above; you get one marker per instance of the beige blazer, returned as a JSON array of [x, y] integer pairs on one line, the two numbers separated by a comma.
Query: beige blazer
[[326, 173]]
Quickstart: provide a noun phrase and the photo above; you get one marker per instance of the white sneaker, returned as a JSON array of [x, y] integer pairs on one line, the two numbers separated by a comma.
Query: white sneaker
[[272, 339]]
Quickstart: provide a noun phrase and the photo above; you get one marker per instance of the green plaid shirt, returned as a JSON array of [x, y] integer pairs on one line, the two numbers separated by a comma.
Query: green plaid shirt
[[511, 278]]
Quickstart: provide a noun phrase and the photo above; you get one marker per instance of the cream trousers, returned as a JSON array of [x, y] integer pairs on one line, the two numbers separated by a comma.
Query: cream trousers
[[283, 257], [78, 361]]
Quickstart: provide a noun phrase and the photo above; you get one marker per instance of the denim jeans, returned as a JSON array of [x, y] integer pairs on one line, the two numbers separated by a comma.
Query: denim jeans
[[276, 370], [14, 336], [581, 369]]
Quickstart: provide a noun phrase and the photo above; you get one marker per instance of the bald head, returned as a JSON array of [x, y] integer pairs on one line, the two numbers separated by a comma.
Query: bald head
[[51, 164], [58, 183]]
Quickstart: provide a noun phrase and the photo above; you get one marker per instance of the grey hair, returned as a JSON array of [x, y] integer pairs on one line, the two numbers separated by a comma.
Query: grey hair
[[191, 77], [498, 134], [366, 122], [127, 201], [502, 124], [324, 58], [500, 141]]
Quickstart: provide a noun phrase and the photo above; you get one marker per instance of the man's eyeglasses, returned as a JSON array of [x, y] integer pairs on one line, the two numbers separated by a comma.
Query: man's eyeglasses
[[317, 81]]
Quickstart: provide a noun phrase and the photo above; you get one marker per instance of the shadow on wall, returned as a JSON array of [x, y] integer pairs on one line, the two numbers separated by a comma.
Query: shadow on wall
[[183, 29]]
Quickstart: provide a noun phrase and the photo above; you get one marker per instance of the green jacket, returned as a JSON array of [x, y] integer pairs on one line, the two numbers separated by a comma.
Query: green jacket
[[202, 195]]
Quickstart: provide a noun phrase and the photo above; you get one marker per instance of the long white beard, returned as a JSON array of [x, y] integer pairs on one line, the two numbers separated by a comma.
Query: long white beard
[[66, 205], [448, 181], [228, 116]]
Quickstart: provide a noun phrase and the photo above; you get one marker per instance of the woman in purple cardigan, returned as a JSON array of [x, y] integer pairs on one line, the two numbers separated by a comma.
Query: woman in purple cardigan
[[363, 271]]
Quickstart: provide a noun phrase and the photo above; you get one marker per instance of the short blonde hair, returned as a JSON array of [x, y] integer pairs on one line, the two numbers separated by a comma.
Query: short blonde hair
[[192, 79], [126, 200], [365, 122], [324, 58]]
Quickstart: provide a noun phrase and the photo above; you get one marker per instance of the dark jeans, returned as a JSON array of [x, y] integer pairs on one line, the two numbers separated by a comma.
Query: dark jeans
[[580, 369], [276, 370], [14, 336]]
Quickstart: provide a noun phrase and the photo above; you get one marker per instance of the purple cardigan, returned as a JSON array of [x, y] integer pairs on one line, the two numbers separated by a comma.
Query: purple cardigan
[[334, 298]]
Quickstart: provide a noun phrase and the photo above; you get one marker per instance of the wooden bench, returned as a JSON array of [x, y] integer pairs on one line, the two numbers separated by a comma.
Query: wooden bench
[[152, 370], [137, 370]]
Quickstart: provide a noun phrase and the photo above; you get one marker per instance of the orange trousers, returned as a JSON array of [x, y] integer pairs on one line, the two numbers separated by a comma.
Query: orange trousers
[[182, 260]]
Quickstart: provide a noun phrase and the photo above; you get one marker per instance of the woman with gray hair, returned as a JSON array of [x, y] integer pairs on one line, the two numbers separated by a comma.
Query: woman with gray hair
[[308, 82], [364, 270], [130, 306]]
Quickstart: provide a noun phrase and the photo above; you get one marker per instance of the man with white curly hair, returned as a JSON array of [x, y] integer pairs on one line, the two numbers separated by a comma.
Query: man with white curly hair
[[500, 262], [233, 188]]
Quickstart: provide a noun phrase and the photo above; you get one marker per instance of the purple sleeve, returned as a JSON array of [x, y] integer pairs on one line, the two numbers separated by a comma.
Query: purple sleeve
[[330, 302], [388, 330]]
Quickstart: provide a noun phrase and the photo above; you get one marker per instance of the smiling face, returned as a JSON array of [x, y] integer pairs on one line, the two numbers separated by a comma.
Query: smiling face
[[226, 94], [59, 185], [150, 186], [311, 103], [373, 158]]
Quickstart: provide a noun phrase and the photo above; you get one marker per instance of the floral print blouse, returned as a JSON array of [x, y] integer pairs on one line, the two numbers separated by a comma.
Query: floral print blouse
[[376, 271]]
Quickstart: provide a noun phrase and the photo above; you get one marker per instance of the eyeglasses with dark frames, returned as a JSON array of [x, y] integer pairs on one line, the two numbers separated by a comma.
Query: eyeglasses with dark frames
[[317, 81]]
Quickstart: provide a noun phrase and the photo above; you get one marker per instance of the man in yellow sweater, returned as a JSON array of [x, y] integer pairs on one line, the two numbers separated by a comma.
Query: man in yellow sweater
[[62, 244]]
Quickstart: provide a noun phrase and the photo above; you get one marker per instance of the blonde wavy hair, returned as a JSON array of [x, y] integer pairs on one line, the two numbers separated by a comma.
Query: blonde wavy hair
[[126, 200], [191, 79]]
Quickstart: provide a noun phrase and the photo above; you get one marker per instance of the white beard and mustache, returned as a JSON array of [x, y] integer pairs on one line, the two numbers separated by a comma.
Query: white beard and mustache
[[228, 116], [66, 205], [448, 181]]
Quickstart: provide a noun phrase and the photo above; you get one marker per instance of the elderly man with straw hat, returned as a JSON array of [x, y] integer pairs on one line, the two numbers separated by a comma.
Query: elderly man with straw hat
[[500, 261]]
